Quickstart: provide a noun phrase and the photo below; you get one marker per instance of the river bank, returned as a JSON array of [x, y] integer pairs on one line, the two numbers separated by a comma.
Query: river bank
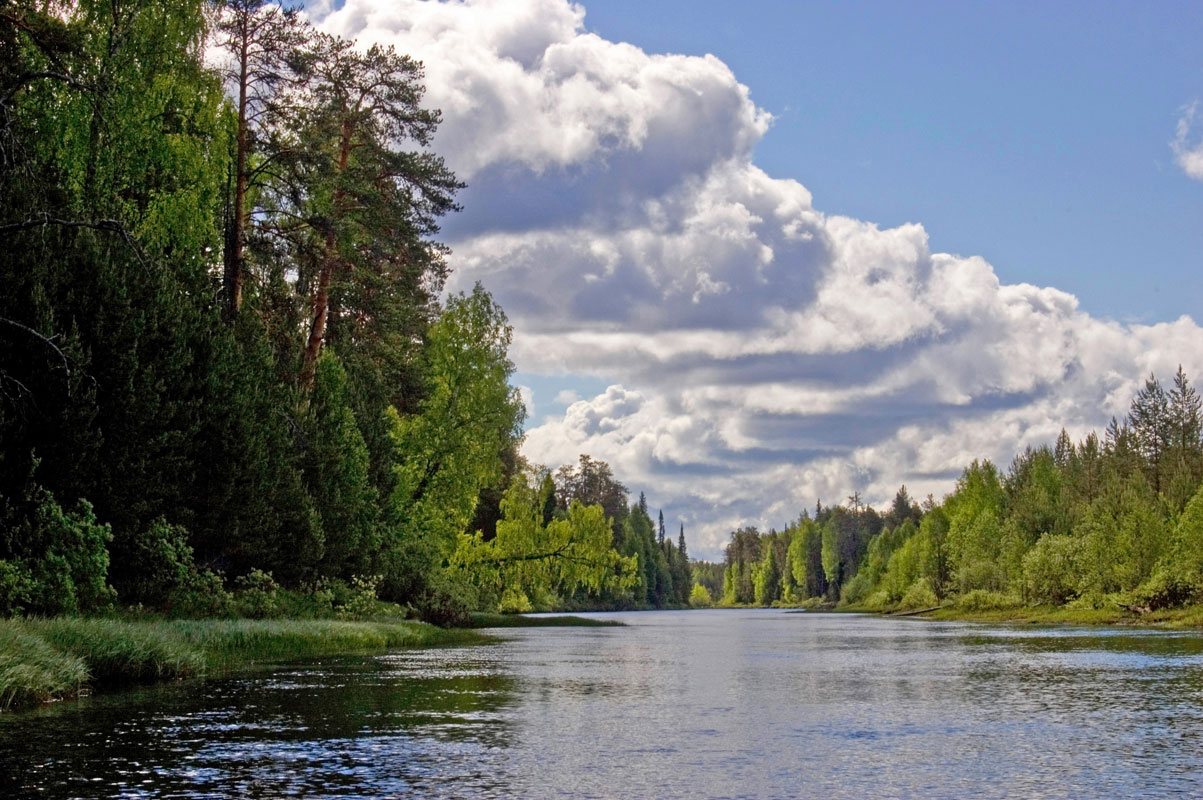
[[1181, 618], [1190, 617], [46, 660]]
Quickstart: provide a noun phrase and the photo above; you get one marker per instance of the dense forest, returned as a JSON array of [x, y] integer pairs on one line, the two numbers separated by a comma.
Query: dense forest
[[225, 363], [1115, 521]]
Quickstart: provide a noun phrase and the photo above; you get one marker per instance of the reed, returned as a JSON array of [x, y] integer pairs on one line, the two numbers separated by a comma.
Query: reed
[[52, 659]]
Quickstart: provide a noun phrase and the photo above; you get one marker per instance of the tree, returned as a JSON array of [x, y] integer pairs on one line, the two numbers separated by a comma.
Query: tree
[[370, 205], [767, 579], [593, 483], [1150, 422], [542, 560], [806, 549], [446, 453], [262, 41]]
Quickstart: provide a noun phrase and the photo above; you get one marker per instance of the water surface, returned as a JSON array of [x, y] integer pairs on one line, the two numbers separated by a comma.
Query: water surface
[[722, 704]]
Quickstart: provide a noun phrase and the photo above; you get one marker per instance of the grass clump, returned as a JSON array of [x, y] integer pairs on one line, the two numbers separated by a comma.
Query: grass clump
[[33, 671], [117, 652]]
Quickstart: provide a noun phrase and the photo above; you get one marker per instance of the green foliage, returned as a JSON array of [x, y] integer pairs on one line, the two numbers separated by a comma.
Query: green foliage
[[153, 564], [805, 558], [202, 595], [449, 451], [700, 597], [982, 600], [52, 561], [514, 601], [361, 602], [1050, 570], [257, 595], [570, 553], [919, 595], [767, 579]]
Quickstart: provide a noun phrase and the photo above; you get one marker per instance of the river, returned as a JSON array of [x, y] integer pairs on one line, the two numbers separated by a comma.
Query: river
[[693, 704]]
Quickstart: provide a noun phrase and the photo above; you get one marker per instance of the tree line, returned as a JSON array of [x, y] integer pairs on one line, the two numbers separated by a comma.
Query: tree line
[[1110, 521]]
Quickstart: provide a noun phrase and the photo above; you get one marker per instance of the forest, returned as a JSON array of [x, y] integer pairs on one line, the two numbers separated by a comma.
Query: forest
[[230, 375], [227, 368], [1110, 522]]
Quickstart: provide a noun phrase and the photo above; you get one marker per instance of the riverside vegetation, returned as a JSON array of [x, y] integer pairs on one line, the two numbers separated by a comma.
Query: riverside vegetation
[[1102, 530], [229, 387]]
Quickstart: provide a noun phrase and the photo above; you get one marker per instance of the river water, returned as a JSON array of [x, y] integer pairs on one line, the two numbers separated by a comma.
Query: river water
[[694, 704]]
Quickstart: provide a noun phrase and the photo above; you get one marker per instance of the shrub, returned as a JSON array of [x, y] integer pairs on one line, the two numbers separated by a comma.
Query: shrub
[[919, 595], [54, 561], [361, 602], [153, 563], [982, 600], [514, 601], [203, 594], [16, 587], [1051, 570], [857, 589], [256, 595]]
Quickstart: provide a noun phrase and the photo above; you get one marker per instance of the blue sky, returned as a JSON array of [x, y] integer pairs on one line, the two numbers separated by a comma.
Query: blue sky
[[1034, 134], [761, 253]]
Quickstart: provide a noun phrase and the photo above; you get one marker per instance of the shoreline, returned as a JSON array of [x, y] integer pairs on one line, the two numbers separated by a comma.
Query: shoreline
[[63, 658]]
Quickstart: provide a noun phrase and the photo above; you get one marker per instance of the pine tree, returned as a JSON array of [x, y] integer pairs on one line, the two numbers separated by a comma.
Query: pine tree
[[261, 41]]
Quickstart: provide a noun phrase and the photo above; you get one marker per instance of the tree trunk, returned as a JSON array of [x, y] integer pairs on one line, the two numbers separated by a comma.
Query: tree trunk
[[234, 270], [321, 297]]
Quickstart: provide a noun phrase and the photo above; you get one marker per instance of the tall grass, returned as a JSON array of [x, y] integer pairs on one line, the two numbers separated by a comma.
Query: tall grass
[[32, 670], [42, 660]]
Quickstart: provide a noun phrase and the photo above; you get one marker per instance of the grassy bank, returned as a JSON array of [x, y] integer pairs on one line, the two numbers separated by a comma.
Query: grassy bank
[[1171, 618], [54, 659]]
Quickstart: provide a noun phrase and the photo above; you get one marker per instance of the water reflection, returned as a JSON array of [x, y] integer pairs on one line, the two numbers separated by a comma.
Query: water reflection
[[755, 704], [398, 725]]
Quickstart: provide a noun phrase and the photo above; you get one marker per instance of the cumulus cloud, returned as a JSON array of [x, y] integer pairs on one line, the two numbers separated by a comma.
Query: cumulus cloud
[[762, 354], [1188, 154]]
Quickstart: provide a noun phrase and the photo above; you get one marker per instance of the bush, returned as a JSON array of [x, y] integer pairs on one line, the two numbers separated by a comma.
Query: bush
[[857, 589], [877, 601], [153, 563], [1051, 570], [256, 595], [514, 601], [361, 601], [53, 561], [699, 597], [1167, 588], [919, 595], [203, 594], [980, 575], [16, 588], [982, 600]]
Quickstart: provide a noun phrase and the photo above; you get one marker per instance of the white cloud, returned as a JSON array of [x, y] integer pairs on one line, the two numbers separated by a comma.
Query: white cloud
[[567, 397], [762, 354], [1188, 155]]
